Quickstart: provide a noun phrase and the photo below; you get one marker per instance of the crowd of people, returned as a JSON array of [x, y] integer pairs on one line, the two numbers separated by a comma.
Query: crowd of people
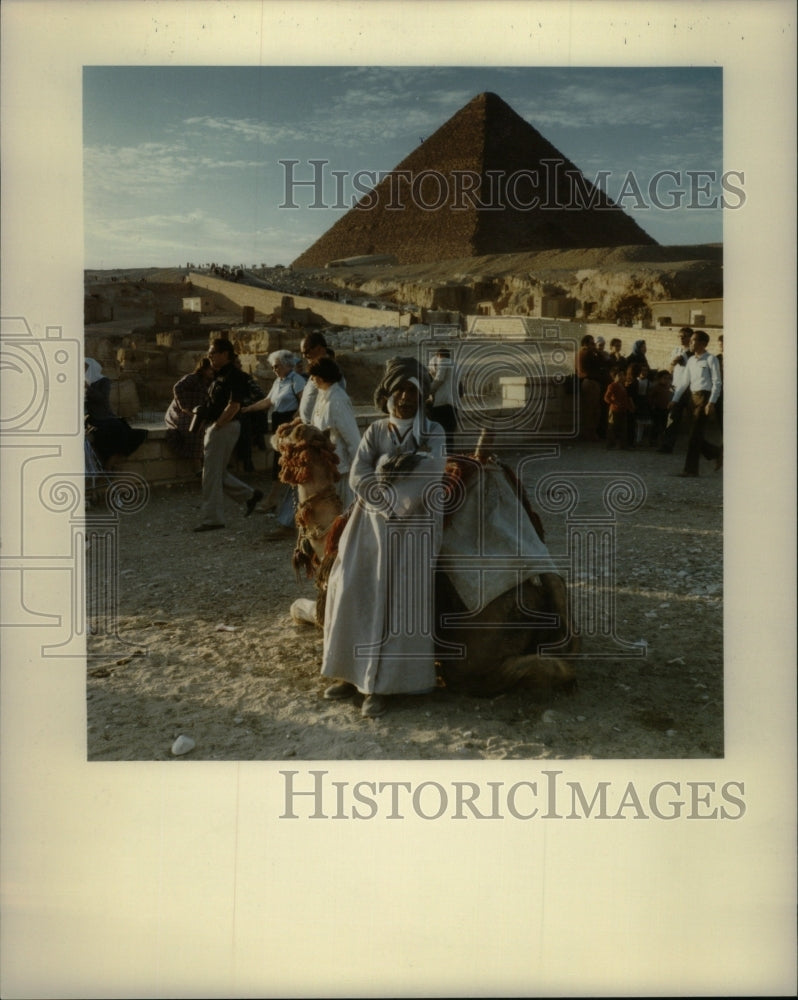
[[378, 590], [627, 404], [372, 645]]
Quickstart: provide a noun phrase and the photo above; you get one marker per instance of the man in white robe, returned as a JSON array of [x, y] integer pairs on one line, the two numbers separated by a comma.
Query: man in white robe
[[378, 625]]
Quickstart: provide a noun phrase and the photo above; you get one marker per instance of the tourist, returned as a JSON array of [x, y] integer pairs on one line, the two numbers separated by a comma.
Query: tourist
[[283, 400], [254, 426], [313, 347], [605, 363], [642, 406], [678, 362], [719, 403], [225, 394], [588, 371], [616, 358], [603, 353], [333, 412], [619, 409], [659, 398], [704, 385], [187, 393], [441, 395], [108, 434], [378, 635], [638, 355], [631, 383]]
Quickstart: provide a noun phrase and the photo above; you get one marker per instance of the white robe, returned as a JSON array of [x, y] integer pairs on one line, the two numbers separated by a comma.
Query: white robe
[[333, 409], [378, 624]]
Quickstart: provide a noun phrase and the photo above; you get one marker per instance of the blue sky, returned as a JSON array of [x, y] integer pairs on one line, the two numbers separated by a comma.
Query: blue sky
[[183, 163]]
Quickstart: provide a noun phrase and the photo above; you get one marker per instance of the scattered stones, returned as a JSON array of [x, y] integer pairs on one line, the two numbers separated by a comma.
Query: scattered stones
[[272, 677], [182, 745]]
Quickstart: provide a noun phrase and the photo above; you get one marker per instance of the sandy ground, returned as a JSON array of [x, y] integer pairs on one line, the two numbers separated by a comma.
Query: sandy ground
[[205, 646]]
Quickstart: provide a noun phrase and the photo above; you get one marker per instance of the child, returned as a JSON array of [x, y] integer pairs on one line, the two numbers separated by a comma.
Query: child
[[659, 397], [620, 407]]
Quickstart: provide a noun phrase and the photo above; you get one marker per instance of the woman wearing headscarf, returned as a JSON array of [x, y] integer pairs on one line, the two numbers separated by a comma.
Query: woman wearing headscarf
[[109, 434], [333, 412], [638, 355], [378, 634], [283, 399]]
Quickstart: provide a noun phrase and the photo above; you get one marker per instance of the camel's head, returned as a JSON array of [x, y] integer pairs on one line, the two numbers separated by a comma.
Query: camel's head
[[305, 453]]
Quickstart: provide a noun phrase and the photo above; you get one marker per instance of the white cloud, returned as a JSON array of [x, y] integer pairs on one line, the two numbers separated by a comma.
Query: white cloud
[[149, 169], [246, 129], [579, 106]]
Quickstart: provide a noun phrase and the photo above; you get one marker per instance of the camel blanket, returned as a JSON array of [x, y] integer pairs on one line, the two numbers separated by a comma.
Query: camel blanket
[[490, 526]]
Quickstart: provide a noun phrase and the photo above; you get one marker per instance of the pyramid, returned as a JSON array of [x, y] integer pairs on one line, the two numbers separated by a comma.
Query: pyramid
[[469, 190]]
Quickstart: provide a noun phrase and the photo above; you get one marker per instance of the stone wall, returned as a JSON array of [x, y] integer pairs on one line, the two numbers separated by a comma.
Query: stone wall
[[155, 462], [547, 406], [266, 302]]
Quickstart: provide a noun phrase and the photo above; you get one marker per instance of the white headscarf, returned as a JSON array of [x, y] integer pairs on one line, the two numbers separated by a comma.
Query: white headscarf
[[94, 371], [418, 422]]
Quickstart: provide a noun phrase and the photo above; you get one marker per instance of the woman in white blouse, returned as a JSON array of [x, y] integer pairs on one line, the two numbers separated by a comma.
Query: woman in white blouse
[[282, 399], [333, 410]]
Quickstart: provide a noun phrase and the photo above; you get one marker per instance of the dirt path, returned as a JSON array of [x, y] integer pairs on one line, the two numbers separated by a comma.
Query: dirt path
[[252, 690]]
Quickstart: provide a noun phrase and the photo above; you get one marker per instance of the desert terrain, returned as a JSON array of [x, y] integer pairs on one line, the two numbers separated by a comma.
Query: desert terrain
[[205, 646]]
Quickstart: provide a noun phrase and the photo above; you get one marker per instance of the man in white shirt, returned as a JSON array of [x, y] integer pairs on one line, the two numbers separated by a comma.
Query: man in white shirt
[[678, 369], [442, 395], [703, 382]]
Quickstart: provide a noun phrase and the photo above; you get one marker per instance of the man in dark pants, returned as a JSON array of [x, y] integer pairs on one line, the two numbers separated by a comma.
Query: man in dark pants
[[704, 385], [225, 395], [678, 369]]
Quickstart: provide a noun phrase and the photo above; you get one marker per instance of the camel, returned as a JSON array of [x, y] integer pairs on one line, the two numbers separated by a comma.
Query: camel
[[490, 632], [308, 462]]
